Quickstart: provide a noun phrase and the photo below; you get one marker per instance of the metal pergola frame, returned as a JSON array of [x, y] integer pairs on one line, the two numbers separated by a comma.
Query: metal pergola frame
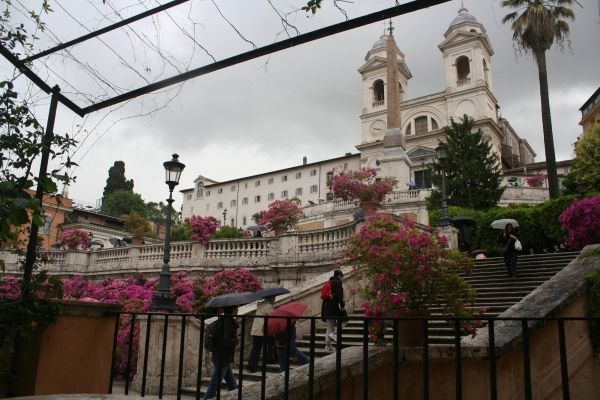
[[57, 97]]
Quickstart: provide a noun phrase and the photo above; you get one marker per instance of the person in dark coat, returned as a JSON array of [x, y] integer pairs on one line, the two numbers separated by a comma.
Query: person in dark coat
[[280, 342], [507, 240], [222, 358], [334, 308]]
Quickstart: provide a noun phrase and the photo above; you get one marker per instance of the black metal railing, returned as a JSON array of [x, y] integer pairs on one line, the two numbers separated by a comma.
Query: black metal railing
[[525, 326]]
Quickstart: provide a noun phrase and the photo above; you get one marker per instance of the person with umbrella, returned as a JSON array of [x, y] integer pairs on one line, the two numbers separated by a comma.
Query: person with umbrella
[[284, 329], [509, 252], [263, 308]]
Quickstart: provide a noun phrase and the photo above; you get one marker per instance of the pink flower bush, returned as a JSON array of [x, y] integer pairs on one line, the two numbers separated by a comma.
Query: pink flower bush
[[581, 222], [226, 281], [360, 185], [536, 180], [404, 268], [203, 228], [74, 238], [281, 215]]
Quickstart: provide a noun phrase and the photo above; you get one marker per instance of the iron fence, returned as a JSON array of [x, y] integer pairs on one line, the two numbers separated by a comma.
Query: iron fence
[[491, 323]]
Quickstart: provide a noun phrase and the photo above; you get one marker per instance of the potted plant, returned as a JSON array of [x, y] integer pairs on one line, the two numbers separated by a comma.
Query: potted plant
[[406, 271], [281, 216], [362, 185], [75, 238], [138, 226]]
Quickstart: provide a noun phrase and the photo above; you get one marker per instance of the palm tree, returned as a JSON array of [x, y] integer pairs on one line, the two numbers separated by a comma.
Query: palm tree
[[536, 25]]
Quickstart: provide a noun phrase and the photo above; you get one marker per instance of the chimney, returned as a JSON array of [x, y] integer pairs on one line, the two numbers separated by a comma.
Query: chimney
[[304, 160]]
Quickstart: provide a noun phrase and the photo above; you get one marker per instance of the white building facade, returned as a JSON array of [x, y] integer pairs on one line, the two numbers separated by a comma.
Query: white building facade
[[409, 149]]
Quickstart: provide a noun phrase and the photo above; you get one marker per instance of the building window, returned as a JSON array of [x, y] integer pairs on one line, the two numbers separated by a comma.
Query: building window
[[207, 193], [329, 177], [189, 196], [299, 192], [314, 189], [408, 129], [256, 183], [284, 178], [220, 190], [313, 172], [298, 175], [245, 200], [420, 125], [485, 72], [257, 198], [246, 185], [233, 188], [284, 194], [329, 196], [47, 224], [232, 222], [232, 203], [378, 92], [462, 70], [244, 221], [270, 181], [434, 124], [219, 205], [199, 190], [423, 179], [271, 196]]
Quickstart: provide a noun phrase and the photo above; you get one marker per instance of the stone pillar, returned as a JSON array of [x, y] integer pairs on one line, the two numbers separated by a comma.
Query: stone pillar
[[451, 233]]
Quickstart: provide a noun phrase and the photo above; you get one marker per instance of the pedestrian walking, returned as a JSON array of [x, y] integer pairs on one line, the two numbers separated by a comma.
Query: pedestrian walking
[[333, 307], [508, 240], [220, 339], [263, 308], [282, 341]]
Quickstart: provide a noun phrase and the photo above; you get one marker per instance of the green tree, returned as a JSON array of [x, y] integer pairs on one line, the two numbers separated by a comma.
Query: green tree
[[157, 212], [537, 25], [472, 170], [116, 180], [586, 166], [137, 225], [124, 202]]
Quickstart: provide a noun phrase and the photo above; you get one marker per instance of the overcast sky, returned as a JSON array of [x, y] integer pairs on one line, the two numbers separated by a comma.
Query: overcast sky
[[305, 101]]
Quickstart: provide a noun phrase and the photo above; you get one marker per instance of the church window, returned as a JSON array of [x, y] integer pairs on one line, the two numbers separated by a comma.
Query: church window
[[434, 124], [423, 179], [420, 125], [408, 129], [199, 190], [378, 92], [485, 72], [463, 70]]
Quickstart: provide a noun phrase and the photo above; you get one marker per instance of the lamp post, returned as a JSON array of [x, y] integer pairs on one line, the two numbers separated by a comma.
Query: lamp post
[[225, 217], [442, 156], [164, 299]]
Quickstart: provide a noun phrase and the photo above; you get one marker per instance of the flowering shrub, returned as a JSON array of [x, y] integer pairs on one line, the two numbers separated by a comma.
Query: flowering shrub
[[282, 214], [406, 268], [73, 238], [203, 228], [536, 180], [225, 281], [360, 185], [581, 222]]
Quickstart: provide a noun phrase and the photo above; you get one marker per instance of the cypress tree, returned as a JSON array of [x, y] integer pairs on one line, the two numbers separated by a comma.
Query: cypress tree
[[116, 180]]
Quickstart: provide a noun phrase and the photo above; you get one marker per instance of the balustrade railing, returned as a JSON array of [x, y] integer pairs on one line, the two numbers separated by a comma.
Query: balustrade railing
[[238, 248], [334, 238]]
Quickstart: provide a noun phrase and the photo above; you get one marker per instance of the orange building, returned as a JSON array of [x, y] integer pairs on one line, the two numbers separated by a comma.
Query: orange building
[[590, 111], [55, 211]]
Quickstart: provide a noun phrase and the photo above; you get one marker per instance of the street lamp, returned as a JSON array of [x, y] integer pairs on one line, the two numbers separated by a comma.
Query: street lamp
[[224, 217], [442, 156], [164, 299]]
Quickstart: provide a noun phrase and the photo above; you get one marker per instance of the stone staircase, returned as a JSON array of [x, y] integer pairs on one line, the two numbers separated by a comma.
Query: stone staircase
[[496, 292]]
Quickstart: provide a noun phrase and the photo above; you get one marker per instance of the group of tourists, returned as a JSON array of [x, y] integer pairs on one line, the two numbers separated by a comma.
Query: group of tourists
[[221, 338]]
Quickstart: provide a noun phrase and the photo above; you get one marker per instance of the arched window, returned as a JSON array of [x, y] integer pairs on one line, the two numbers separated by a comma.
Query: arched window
[[378, 91], [199, 190], [434, 124], [485, 72], [408, 130], [462, 70], [420, 125]]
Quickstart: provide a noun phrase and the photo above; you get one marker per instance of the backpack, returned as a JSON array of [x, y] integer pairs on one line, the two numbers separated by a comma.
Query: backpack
[[326, 292], [210, 337]]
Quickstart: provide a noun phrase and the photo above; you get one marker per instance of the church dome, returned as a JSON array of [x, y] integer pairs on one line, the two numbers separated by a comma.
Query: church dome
[[381, 43], [463, 16]]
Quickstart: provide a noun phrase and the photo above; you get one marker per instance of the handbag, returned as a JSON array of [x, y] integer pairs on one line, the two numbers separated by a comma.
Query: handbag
[[518, 245]]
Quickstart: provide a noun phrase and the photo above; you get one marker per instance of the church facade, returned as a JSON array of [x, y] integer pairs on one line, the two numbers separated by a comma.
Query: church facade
[[399, 134]]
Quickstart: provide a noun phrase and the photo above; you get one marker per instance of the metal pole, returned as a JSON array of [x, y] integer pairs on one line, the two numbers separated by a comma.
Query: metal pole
[[40, 191], [444, 219], [164, 299]]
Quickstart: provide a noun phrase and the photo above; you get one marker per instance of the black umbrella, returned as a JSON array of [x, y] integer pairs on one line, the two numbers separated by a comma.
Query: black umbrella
[[276, 291], [231, 299], [464, 220], [256, 228]]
